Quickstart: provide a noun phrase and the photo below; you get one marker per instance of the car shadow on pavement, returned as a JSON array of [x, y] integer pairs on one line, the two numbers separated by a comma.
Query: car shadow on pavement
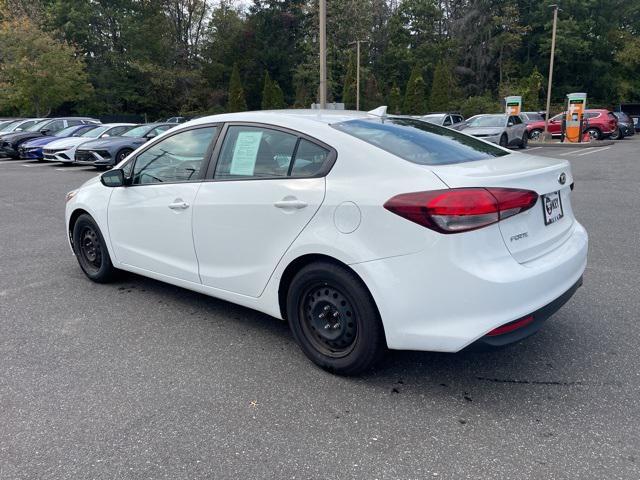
[[532, 363]]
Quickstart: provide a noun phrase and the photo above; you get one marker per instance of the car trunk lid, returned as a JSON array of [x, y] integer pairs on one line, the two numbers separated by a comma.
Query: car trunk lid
[[526, 235]]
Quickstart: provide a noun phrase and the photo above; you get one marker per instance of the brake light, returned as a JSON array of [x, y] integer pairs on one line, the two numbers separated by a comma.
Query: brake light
[[461, 209]]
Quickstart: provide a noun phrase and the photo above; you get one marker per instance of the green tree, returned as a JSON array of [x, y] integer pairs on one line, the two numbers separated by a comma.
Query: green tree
[[443, 88], [395, 99], [38, 72], [237, 102], [414, 96], [349, 86], [479, 104], [372, 97], [272, 95]]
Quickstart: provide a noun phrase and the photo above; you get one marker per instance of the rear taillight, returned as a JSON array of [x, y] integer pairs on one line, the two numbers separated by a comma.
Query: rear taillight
[[461, 209]]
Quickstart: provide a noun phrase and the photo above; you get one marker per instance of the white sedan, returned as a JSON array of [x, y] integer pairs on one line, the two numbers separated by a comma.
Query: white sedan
[[363, 231], [64, 150]]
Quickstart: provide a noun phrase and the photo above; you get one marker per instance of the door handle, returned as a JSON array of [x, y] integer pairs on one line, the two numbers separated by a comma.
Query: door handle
[[179, 205], [290, 204]]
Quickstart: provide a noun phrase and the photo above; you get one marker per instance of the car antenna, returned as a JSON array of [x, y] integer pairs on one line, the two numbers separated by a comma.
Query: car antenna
[[379, 112]]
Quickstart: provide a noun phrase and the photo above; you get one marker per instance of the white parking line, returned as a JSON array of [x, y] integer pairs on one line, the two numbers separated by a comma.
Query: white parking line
[[36, 164], [534, 148], [593, 150], [572, 151]]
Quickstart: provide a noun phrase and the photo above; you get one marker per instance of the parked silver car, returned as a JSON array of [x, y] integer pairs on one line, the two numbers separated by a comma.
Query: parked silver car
[[451, 120], [505, 130]]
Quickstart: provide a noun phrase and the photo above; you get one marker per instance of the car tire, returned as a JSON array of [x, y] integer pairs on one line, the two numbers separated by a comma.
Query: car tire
[[535, 134], [122, 154], [91, 250], [617, 134], [524, 141], [504, 141], [334, 319], [594, 133]]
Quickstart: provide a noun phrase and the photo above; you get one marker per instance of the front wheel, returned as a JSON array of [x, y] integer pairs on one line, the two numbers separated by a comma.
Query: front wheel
[[122, 154], [334, 319], [503, 140], [91, 250], [617, 134]]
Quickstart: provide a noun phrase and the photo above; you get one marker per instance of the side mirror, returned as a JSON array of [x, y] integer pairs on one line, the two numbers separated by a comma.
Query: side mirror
[[113, 178], [149, 136], [510, 124], [45, 131], [105, 135]]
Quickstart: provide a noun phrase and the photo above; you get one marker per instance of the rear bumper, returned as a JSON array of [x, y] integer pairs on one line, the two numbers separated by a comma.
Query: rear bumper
[[450, 295], [539, 317]]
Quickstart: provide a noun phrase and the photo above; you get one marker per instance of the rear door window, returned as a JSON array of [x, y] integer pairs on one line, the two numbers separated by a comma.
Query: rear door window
[[255, 152]]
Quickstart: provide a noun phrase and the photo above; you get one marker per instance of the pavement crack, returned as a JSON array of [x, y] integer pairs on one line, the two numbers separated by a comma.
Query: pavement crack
[[531, 382]]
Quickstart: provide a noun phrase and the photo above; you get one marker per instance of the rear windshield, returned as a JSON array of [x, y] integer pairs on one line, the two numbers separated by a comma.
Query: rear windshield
[[420, 142]]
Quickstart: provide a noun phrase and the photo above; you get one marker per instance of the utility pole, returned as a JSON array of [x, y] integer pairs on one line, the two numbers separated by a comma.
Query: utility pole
[[323, 53], [545, 135], [357, 44]]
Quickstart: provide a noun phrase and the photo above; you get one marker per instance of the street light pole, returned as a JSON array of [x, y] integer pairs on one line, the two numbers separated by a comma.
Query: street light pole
[[358, 76], [323, 52], [545, 135], [357, 44]]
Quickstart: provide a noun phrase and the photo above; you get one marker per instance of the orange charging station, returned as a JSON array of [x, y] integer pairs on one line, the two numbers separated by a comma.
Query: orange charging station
[[513, 105], [574, 119]]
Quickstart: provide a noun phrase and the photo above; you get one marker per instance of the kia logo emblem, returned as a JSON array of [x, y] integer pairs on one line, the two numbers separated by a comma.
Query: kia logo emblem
[[562, 179]]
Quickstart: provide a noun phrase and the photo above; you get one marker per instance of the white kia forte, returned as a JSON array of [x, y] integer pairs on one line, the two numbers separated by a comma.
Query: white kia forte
[[363, 231]]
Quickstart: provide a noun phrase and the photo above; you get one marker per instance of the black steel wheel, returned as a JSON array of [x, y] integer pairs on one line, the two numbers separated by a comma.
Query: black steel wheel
[[334, 319], [91, 250], [328, 320]]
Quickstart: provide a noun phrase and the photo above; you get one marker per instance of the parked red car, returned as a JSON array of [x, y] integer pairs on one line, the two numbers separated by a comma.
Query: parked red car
[[599, 124]]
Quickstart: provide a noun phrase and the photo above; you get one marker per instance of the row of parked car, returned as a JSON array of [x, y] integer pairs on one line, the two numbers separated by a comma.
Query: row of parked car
[[86, 140], [516, 130], [79, 140]]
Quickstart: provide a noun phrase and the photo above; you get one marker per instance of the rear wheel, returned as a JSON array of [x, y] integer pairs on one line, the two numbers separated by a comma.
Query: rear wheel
[[535, 134], [503, 140], [524, 140], [594, 133], [91, 250], [334, 319]]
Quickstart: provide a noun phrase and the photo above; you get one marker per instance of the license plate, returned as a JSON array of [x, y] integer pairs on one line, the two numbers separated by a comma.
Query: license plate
[[552, 207]]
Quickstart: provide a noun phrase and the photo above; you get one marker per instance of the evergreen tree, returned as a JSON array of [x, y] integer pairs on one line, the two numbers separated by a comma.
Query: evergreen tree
[[267, 92], [414, 97], [349, 87], [272, 95], [372, 97], [277, 95], [443, 88], [237, 102], [395, 98]]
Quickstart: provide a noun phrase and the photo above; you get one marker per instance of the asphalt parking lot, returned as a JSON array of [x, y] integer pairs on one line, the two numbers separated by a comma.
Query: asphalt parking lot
[[139, 379]]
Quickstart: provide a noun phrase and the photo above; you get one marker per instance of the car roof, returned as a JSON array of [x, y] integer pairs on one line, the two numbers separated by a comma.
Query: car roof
[[294, 119]]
